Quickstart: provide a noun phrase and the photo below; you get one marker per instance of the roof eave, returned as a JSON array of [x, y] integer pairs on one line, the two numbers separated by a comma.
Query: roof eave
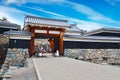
[[110, 30]]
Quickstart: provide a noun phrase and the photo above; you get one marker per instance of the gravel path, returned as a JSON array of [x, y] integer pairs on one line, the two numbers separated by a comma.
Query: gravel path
[[62, 68], [25, 73]]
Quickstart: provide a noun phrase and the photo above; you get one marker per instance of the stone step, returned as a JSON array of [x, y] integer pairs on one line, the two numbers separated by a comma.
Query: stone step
[[13, 68], [8, 76], [10, 73], [5, 65], [4, 79]]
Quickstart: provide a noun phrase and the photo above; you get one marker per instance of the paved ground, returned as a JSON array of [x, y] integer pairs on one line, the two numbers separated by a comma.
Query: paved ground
[[26, 73], [62, 68]]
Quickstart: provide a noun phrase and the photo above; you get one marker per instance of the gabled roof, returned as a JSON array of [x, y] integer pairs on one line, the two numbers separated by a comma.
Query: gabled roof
[[9, 25], [103, 30], [74, 28], [45, 21], [17, 33], [91, 38]]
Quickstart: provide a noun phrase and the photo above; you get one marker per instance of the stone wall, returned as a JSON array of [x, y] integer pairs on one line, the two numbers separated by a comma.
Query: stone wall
[[111, 56], [4, 43], [15, 57]]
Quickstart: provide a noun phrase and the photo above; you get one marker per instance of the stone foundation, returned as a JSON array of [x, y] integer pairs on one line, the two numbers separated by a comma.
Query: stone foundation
[[110, 56], [15, 57], [4, 43]]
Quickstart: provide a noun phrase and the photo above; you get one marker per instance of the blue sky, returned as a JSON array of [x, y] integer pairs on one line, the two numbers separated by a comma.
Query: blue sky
[[87, 14]]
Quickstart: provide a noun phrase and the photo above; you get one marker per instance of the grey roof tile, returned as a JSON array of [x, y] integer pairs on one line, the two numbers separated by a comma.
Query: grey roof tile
[[8, 24], [100, 30], [45, 21], [20, 33], [91, 37]]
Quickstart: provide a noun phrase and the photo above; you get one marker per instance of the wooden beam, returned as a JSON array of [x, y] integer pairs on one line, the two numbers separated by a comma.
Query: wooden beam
[[32, 41], [45, 34], [61, 45], [52, 44], [28, 28], [50, 28]]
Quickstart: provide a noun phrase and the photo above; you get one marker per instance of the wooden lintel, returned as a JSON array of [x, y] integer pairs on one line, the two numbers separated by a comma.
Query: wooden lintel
[[29, 27], [45, 34], [50, 28]]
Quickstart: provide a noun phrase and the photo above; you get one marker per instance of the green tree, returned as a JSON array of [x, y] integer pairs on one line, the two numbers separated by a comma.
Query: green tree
[[4, 19]]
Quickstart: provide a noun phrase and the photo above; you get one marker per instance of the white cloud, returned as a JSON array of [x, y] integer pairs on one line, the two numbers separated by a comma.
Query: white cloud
[[82, 9], [11, 19], [15, 1], [90, 13], [33, 1], [10, 10], [112, 2], [42, 10], [13, 15], [46, 1], [85, 25]]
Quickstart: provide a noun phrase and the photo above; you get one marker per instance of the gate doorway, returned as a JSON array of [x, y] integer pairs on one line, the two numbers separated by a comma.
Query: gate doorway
[[52, 29], [46, 46], [54, 35]]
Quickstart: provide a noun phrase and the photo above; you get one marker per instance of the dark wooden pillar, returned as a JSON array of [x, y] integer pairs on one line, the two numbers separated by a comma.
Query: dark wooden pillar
[[52, 45], [61, 47], [32, 41]]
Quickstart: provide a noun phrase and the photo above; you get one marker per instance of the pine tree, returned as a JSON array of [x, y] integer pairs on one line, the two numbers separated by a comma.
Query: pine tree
[[4, 19]]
